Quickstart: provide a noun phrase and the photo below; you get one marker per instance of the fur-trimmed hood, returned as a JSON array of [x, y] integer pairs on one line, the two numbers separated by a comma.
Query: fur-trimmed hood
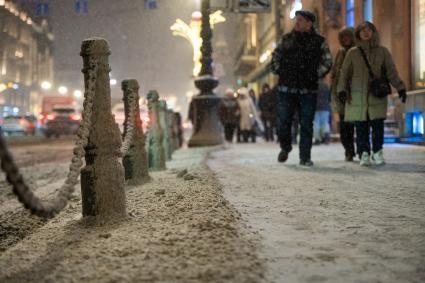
[[346, 31], [373, 42]]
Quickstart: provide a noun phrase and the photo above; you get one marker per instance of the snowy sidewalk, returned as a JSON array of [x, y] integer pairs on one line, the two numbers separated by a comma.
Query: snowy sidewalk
[[179, 229], [335, 222]]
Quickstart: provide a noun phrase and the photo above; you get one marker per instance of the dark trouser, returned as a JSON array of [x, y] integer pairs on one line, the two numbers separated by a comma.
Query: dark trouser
[[346, 132], [363, 133], [305, 104], [246, 134], [294, 130], [269, 128], [229, 130]]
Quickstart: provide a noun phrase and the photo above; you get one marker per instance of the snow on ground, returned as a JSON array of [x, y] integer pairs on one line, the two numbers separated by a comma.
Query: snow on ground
[[336, 221], [179, 229]]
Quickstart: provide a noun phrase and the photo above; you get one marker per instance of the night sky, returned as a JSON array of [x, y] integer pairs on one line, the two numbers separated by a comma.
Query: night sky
[[141, 43]]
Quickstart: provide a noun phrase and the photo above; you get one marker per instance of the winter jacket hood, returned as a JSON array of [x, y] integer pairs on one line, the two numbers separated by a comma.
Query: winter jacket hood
[[346, 31], [367, 44]]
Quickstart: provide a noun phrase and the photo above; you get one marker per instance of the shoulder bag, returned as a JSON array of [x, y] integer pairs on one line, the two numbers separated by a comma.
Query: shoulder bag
[[378, 87]]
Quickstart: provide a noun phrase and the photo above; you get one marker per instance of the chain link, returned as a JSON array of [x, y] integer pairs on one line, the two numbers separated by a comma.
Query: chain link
[[130, 123], [23, 192]]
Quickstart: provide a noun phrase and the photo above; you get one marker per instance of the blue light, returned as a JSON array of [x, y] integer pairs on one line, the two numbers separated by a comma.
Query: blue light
[[368, 10], [349, 16], [417, 123]]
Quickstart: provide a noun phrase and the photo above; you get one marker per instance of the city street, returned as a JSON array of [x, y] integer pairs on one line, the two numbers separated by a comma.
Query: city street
[[117, 120], [250, 219]]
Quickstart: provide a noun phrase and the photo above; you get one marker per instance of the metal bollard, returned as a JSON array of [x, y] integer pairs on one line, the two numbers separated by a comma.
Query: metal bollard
[[163, 118], [156, 135], [135, 160], [102, 179]]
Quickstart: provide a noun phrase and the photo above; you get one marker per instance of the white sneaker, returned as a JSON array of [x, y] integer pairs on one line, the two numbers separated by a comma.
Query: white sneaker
[[364, 160], [378, 157]]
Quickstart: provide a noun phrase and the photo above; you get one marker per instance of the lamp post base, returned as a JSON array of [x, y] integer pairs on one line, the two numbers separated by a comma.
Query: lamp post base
[[204, 109]]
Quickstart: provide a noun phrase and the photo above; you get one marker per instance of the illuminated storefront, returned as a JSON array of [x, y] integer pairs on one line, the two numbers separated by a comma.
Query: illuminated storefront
[[415, 104], [419, 28]]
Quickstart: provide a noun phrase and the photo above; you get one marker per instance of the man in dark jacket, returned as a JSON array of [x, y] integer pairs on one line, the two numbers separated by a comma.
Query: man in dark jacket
[[229, 114], [268, 104], [300, 59]]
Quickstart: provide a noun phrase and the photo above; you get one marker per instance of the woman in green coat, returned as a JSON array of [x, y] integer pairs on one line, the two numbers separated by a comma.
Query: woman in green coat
[[366, 110]]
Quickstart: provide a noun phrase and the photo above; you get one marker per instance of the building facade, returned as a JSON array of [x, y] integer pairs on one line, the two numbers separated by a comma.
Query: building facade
[[25, 58], [401, 24]]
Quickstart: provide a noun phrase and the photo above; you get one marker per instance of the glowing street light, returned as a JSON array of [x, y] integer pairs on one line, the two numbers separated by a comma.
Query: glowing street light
[[296, 6], [63, 90], [192, 33], [78, 93], [46, 85], [112, 81]]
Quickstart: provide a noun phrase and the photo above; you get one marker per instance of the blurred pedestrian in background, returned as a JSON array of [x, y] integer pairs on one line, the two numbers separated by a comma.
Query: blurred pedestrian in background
[[229, 114], [248, 115], [253, 97], [322, 129], [268, 107]]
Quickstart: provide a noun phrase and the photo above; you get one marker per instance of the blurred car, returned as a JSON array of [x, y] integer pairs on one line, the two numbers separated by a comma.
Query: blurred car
[[18, 125], [32, 123], [119, 116], [62, 121]]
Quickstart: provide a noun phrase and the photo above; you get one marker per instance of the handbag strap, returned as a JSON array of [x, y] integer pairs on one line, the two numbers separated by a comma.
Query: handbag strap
[[367, 62]]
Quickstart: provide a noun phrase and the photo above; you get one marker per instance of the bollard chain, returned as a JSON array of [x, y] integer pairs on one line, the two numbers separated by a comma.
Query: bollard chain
[[20, 188], [130, 123]]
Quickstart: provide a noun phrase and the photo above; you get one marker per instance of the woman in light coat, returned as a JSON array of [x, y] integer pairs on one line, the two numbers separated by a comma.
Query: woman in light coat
[[366, 110], [248, 115]]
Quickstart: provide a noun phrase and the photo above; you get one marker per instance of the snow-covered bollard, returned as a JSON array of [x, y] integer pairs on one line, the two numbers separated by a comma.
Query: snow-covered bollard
[[135, 159], [156, 135], [102, 179], [165, 125]]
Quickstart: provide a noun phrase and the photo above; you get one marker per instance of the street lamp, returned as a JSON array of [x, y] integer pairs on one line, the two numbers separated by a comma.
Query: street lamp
[[46, 85], [63, 90], [192, 31], [203, 109], [78, 94]]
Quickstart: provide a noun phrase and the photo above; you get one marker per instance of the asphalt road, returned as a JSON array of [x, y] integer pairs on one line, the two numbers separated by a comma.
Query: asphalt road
[[28, 151]]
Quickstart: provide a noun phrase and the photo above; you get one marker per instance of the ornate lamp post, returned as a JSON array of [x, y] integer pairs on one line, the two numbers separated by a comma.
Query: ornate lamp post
[[203, 109]]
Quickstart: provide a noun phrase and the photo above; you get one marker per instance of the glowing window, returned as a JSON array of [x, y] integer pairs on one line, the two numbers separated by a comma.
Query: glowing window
[[368, 10], [349, 14]]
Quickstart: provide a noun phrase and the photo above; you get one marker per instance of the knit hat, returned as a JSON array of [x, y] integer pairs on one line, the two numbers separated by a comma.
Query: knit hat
[[307, 15]]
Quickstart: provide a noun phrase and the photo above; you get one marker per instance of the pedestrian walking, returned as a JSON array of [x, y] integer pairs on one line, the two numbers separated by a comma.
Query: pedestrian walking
[[346, 129], [229, 114], [300, 59], [322, 129], [364, 105], [253, 97], [268, 107], [248, 115]]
